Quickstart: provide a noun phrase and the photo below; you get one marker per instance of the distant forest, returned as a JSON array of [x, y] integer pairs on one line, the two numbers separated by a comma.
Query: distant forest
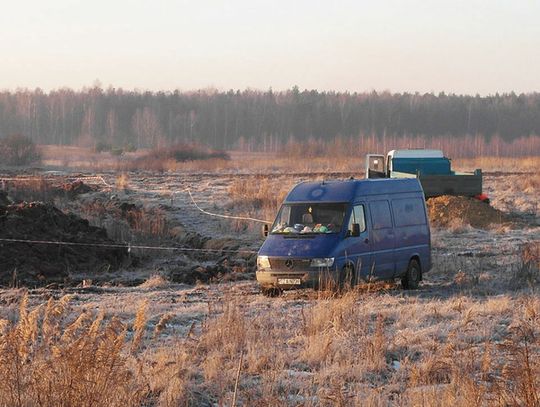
[[268, 120]]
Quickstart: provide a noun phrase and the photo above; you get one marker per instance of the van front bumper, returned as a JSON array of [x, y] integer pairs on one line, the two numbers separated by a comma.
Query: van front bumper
[[286, 279]]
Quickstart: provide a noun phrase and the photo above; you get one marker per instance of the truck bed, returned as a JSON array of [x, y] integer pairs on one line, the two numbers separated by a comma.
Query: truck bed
[[464, 184]]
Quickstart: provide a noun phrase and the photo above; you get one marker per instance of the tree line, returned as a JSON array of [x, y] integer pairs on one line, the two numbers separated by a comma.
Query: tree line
[[261, 120]]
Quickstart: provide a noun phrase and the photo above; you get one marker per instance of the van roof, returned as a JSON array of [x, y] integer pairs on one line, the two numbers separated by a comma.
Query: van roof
[[346, 191]]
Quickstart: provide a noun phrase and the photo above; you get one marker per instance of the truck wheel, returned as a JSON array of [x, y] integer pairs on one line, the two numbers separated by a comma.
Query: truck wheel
[[411, 279], [347, 278]]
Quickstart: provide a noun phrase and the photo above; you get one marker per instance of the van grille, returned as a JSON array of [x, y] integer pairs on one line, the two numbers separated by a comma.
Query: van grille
[[288, 275], [289, 264]]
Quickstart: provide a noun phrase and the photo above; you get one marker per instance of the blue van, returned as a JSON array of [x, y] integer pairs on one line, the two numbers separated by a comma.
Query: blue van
[[370, 229]]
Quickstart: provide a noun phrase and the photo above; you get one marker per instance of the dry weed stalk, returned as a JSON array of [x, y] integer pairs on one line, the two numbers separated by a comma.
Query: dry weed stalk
[[139, 326], [162, 324], [44, 360]]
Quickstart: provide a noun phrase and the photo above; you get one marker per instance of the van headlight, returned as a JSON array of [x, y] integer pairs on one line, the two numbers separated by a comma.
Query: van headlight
[[263, 262], [324, 262]]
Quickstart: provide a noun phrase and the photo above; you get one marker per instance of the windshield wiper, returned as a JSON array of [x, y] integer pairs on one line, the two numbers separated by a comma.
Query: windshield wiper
[[298, 236]]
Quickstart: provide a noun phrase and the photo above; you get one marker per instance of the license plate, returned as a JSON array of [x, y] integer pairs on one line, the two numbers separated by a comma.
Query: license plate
[[289, 281]]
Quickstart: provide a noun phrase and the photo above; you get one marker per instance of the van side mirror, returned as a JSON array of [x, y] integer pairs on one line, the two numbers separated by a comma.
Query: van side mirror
[[265, 230], [355, 230]]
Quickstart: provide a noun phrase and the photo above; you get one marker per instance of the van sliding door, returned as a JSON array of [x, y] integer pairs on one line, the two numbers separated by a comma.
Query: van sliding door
[[383, 239]]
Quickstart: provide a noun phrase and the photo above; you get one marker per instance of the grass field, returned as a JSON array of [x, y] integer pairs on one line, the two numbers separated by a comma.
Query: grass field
[[470, 336]]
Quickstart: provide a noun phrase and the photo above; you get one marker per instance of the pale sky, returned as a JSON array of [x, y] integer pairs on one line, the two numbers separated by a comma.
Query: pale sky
[[473, 46]]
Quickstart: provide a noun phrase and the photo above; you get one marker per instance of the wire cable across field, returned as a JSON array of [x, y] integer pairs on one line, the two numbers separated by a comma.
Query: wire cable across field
[[124, 246]]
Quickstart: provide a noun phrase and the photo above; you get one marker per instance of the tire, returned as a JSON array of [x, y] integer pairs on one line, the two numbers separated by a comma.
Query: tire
[[347, 277], [411, 279]]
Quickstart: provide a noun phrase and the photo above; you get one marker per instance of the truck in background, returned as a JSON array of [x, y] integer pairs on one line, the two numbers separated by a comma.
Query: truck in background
[[431, 167]]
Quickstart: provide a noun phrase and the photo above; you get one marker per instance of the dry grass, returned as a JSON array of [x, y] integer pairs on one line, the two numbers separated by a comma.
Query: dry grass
[[329, 161], [136, 224], [466, 342], [256, 197], [491, 164], [531, 184], [527, 268], [47, 360], [155, 281], [31, 189], [353, 349], [87, 158]]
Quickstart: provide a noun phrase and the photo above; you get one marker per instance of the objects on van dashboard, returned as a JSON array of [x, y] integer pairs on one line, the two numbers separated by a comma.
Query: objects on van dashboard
[[347, 231], [303, 229], [310, 217], [432, 169]]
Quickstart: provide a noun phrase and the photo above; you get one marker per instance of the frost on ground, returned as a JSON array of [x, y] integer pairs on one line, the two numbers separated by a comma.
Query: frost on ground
[[469, 336]]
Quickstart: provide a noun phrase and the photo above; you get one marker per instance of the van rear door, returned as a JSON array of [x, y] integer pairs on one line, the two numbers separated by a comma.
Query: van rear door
[[383, 239], [411, 232]]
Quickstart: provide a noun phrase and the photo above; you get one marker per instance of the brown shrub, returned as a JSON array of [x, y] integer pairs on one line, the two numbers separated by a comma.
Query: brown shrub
[[531, 183], [162, 159], [18, 150], [527, 270]]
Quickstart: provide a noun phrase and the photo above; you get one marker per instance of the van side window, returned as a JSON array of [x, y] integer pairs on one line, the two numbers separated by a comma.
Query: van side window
[[380, 214], [409, 211], [358, 216]]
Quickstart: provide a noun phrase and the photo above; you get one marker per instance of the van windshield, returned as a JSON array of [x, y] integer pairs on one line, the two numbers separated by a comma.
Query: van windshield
[[310, 218]]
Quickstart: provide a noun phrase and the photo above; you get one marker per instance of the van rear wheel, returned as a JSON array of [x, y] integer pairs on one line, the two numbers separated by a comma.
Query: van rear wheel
[[411, 279]]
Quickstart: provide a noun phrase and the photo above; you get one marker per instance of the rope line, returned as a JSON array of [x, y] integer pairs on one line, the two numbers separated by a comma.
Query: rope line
[[125, 246], [23, 179], [97, 178], [224, 216]]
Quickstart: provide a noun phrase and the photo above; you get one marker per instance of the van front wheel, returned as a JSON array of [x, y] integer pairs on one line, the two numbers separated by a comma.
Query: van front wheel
[[347, 278], [411, 279], [271, 291]]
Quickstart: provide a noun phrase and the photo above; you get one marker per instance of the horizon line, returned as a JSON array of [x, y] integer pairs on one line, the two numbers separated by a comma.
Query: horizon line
[[214, 89]]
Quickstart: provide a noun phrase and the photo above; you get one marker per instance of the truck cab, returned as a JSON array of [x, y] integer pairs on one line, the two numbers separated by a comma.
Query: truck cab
[[428, 162]]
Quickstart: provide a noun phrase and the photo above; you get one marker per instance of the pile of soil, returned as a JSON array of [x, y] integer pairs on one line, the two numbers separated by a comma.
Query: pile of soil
[[76, 188], [35, 264], [445, 210], [46, 190], [4, 200]]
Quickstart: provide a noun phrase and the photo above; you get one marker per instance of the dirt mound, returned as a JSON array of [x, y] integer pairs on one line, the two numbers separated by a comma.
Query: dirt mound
[[77, 188], [38, 264], [446, 210], [46, 190], [4, 200]]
